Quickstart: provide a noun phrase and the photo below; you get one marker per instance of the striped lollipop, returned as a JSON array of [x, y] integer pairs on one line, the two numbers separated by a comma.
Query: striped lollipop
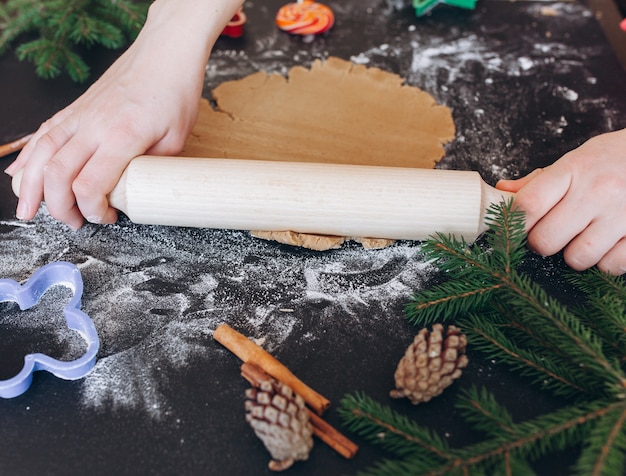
[[305, 17]]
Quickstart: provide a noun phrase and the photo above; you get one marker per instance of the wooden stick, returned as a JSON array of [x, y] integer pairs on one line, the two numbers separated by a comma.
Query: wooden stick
[[248, 351], [322, 429], [6, 149]]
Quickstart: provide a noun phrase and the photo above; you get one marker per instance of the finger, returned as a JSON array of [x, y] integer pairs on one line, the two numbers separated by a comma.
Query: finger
[[614, 262], [59, 174], [561, 224], [168, 149], [100, 175], [31, 196], [517, 184], [93, 185], [593, 243], [32, 182], [542, 193], [26, 152], [170, 144]]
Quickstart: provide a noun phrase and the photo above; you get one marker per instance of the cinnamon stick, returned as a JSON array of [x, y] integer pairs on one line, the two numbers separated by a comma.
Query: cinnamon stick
[[329, 435], [248, 351], [6, 149], [322, 429]]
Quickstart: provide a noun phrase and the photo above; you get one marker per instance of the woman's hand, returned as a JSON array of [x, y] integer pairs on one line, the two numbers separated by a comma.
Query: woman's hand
[[579, 204]]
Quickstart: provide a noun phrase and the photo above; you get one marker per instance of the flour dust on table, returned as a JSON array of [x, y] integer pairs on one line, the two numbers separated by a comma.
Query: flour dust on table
[[157, 293]]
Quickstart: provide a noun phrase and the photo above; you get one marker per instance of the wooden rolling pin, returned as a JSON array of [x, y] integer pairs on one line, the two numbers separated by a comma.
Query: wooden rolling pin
[[327, 199]]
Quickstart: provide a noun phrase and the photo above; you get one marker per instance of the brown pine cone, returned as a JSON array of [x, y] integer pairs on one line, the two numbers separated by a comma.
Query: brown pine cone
[[280, 419], [430, 364]]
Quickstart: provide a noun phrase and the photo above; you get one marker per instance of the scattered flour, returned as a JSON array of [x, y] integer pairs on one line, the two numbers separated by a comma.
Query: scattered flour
[[157, 293]]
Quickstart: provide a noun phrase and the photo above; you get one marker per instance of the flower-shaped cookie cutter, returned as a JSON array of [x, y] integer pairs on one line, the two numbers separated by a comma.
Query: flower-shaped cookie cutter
[[29, 294]]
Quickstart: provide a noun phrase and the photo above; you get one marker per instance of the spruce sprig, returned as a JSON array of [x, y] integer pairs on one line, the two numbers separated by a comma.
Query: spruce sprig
[[549, 370], [578, 352], [480, 408], [56, 32]]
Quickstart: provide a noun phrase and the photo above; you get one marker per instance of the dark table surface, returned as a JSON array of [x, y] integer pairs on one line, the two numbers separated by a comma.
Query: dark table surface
[[526, 82]]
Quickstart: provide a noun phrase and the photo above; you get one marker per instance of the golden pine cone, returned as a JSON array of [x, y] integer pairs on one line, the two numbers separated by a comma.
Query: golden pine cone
[[431, 363], [280, 419]]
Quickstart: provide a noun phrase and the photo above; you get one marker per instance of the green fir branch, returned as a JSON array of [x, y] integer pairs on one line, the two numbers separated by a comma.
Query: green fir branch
[[604, 316], [447, 301], [523, 441], [574, 352], [595, 282], [606, 309], [551, 371], [537, 437], [507, 239], [606, 453], [562, 328], [13, 25], [480, 408], [56, 32], [90, 31], [452, 255], [130, 14], [395, 432], [409, 466], [45, 54], [75, 67]]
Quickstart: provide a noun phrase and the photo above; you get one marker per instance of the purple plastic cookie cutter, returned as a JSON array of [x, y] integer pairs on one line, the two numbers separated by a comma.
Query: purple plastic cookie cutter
[[26, 296]]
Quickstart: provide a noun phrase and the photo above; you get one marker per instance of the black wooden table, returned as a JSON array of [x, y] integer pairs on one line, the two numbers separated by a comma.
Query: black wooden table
[[526, 81]]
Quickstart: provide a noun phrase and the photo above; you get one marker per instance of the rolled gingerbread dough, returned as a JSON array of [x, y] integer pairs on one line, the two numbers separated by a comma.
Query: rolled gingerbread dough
[[334, 112]]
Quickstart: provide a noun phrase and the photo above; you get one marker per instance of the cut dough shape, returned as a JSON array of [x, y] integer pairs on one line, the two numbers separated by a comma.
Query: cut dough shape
[[334, 112]]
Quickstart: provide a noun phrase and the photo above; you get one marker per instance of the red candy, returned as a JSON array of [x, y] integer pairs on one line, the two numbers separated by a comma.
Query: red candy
[[234, 28], [305, 17]]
